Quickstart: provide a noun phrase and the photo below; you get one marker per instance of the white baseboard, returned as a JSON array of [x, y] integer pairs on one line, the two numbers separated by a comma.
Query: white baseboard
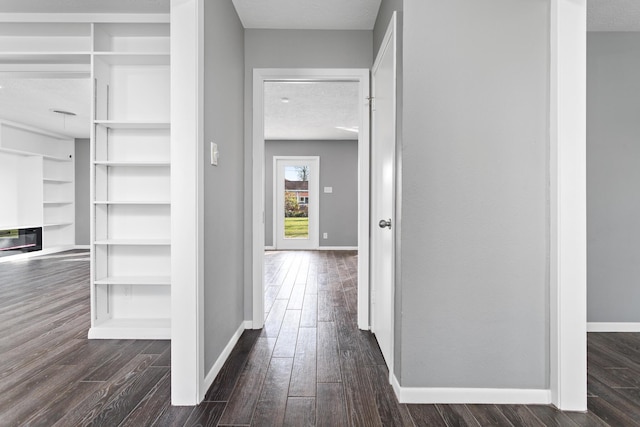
[[337, 248], [82, 247], [485, 396], [613, 327], [116, 333], [321, 248], [215, 369]]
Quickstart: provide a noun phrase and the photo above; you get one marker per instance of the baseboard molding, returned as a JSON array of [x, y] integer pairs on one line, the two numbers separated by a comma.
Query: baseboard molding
[[82, 247], [142, 333], [215, 369], [337, 248], [484, 396], [613, 327], [320, 248]]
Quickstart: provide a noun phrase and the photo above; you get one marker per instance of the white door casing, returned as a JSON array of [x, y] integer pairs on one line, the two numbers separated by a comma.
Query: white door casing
[[279, 165], [383, 147], [256, 262]]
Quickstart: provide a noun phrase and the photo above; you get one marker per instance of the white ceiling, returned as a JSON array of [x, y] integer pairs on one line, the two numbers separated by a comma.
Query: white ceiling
[[84, 6], [613, 15], [308, 14], [308, 115], [315, 110], [30, 101]]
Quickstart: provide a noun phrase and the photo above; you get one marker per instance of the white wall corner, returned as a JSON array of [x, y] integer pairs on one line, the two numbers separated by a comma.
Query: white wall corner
[[479, 396], [187, 204], [567, 165], [217, 366]]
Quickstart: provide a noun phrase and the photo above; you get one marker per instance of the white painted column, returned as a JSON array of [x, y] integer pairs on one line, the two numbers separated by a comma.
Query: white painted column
[[187, 201], [568, 264]]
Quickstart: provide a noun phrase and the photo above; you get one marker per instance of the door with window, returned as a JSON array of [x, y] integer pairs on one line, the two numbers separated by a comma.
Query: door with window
[[296, 203]]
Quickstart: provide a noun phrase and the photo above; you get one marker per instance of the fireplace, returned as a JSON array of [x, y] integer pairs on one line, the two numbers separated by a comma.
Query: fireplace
[[20, 240]]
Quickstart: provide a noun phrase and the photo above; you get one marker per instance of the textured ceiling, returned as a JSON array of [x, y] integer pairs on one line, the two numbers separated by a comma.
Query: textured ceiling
[[30, 101], [315, 110], [613, 15], [85, 6], [308, 14]]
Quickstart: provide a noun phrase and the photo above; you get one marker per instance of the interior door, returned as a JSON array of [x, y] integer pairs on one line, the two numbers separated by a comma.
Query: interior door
[[296, 203], [383, 193]]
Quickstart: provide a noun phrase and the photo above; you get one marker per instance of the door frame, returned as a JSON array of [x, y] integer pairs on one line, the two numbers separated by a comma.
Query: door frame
[[313, 242], [260, 76], [389, 42]]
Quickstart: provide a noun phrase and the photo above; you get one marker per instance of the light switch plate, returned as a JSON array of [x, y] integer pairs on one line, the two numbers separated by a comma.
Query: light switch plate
[[328, 189], [214, 154]]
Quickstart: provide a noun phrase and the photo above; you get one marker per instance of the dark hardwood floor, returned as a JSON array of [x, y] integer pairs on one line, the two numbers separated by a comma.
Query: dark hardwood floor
[[310, 365]]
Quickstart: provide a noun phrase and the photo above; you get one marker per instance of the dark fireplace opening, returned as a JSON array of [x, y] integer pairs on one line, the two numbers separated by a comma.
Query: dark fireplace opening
[[20, 240]]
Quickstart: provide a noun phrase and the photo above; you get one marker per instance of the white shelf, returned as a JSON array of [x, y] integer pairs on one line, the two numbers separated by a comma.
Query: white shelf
[[61, 202], [133, 242], [44, 57], [133, 203], [57, 224], [57, 181], [14, 227], [132, 329], [133, 58], [135, 280], [132, 124], [131, 295], [31, 154], [131, 163]]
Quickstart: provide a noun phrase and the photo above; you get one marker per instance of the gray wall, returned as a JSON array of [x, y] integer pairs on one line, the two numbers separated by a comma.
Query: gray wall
[[83, 215], [338, 169], [475, 186], [291, 49], [223, 227], [613, 177]]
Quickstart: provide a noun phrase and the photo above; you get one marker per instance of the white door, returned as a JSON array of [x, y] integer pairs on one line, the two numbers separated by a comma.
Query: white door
[[296, 203], [383, 193]]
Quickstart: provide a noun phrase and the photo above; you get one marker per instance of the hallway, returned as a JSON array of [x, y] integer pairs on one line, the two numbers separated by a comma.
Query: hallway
[[310, 365]]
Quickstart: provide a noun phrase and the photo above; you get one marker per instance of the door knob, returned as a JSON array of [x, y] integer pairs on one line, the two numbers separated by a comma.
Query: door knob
[[385, 223]]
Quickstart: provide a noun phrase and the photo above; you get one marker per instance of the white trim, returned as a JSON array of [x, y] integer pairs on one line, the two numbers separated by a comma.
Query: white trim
[[480, 396], [217, 366], [337, 248], [87, 18], [82, 247], [187, 209], [613, 327], [567, 170], [119, 333], [269, 248], [48, 251], [260, 75]]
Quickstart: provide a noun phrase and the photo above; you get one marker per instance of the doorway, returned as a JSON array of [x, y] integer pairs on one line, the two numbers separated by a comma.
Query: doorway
[[296, 203], [262, 77]]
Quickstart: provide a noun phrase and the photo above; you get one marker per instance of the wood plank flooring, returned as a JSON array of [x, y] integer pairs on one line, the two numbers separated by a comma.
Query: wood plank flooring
[[309, 366]]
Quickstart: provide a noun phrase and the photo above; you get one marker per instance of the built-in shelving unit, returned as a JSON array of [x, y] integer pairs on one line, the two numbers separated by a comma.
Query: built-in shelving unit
[[37, 172], [131, 208]]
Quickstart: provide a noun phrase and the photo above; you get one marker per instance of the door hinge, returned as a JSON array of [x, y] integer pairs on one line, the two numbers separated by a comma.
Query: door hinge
[[372, 102]]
